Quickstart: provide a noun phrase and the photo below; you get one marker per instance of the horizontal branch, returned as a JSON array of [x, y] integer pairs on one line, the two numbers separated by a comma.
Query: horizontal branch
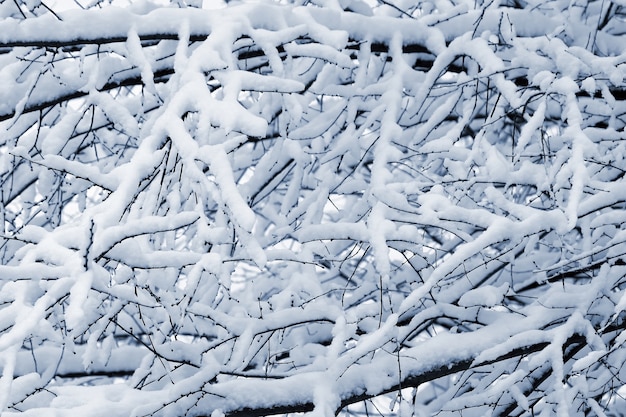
[[459, 361], [160, 75], [83, 41], [134, 78], [412, 380]]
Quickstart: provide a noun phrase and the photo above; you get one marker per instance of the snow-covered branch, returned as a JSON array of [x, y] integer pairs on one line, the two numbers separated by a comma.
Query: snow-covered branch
[[323, 208]]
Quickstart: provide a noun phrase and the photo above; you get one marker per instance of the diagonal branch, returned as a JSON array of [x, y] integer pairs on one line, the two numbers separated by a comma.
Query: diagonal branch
[[411, 378]]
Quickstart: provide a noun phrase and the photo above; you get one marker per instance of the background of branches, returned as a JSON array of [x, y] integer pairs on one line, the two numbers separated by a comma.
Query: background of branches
[[408, 208]]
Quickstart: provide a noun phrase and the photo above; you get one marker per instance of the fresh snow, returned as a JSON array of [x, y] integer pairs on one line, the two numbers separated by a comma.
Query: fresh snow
[[408, 208]]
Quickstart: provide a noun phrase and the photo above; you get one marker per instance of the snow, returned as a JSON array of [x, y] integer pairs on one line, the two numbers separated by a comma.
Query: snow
[[296, 207], [486, 296], [139, 59], [217, 160]]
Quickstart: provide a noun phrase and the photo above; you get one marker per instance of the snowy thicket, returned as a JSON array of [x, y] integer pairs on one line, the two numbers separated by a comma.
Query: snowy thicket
[[401, 207]]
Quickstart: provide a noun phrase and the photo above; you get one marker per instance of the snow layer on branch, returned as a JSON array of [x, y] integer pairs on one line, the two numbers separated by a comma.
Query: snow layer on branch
[[286, 208]]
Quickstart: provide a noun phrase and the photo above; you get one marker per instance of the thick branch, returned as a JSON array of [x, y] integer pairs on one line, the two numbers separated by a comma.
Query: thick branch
[[413, 379], [135, 79]]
